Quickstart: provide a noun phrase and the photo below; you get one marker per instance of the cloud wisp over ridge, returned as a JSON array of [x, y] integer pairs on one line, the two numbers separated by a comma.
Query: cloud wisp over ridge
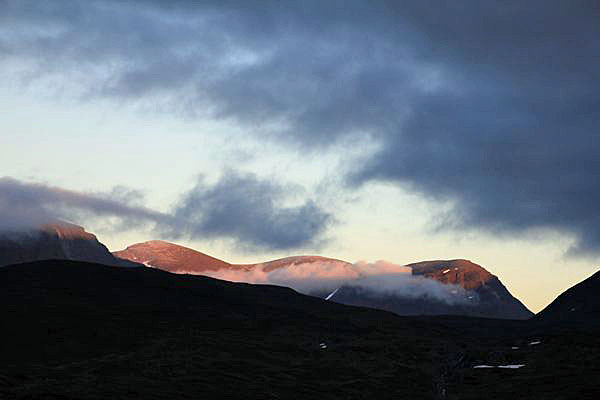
[[377, 279], [493, 106], [25, 206], [204, 212]]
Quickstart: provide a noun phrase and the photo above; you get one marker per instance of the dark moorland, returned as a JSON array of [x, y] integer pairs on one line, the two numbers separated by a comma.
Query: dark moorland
[[75, 330]]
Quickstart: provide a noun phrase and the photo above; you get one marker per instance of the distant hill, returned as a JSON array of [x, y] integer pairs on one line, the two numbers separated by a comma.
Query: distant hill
[[484, 295], [171, 257], [59, 240], [179, 259], [494, 298], [296, 260]]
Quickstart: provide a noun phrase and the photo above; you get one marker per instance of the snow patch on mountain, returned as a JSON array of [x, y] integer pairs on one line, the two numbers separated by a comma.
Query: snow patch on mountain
[[332, 294]]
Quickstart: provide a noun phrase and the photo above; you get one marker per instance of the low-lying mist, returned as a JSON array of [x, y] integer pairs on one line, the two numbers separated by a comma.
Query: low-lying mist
[[320, 278]]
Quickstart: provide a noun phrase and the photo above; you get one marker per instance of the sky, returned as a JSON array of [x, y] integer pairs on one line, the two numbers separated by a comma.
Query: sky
[[251, 130]]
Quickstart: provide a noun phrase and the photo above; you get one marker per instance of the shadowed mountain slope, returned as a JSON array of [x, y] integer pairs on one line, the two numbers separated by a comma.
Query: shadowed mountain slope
[[60, 240], [579, 305]]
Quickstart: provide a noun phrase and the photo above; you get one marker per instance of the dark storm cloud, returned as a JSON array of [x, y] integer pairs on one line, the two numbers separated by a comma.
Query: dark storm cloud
[[495, 104], [516, 144], [302, 73], [249, 210], [242, 208]]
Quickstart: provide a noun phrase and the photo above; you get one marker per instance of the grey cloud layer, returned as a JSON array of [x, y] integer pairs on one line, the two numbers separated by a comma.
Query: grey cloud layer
[[241, 208], [494, 105], [248, 209]]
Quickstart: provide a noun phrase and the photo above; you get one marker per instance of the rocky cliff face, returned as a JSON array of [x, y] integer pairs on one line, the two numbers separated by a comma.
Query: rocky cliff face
[[61, 240]]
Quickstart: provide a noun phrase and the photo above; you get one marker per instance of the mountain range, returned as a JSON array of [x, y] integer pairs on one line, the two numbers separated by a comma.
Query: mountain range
[[454, 287], [466, 288]]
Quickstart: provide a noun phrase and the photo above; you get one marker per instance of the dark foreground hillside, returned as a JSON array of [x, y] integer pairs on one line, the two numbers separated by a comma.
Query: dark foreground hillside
[[73, 330], [578, 306]]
